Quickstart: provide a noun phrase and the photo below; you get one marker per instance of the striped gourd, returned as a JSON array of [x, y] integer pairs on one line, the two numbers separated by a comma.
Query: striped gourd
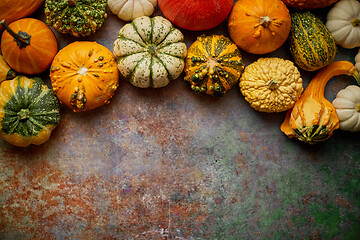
[[311, 43], [213, 65], [29, 111], [150, 52]]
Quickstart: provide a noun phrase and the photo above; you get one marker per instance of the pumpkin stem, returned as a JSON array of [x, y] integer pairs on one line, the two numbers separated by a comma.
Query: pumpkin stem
[[265, 21], [152, 49], [21, 38], [357, 107], [82, 70], [272, 84], [355, 22]]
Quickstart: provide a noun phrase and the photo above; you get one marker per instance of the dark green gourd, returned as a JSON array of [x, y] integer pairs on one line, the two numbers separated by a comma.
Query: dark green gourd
[[311, 44], [77, 17], [29, 111]]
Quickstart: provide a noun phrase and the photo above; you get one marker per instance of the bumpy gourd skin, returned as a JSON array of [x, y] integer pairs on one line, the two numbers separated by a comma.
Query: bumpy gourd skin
[[311, 44], [77, 17], [213, 65], [271, 84]]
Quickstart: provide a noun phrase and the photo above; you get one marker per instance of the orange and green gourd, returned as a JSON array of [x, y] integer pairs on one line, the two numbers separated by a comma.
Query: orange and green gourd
[[213, 65], [29, 111], [313, 118], [6, 73], [311, 44]]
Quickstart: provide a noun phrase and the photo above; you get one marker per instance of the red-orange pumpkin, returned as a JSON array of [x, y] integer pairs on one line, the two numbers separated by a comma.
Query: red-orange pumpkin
[[259, 26], [196, 15], [11, 10], [28, 45]]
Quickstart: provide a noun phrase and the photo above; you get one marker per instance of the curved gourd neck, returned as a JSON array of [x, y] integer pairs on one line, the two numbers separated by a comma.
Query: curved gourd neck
[[317, 85]]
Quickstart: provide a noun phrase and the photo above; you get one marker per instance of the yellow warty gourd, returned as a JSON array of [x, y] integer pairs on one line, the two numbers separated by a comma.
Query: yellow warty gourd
[[271, 84]]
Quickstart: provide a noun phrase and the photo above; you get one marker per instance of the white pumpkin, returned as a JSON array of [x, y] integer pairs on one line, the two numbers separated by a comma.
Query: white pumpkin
[[347, 105], [357, 61], [150, 52], [343, 22], [130, 9]]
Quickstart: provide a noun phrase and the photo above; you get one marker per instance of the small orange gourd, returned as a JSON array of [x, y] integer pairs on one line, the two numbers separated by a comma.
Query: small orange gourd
[[84, 75], [12, 10], [28, 45], [259, 27], [313, 118]]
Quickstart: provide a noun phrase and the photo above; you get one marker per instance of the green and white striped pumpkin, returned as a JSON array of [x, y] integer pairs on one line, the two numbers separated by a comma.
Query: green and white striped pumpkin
[[150, 52], [311, 44], [29, 111]]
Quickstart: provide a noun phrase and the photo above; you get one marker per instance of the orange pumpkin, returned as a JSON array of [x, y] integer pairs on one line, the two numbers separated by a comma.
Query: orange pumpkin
[[84, 75], [259, 26], [12, 10], [28, 45]]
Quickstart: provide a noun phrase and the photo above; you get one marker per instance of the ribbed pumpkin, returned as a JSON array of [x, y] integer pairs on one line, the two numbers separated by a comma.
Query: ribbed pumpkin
[[313, 118], [311, 43], [347, 105], [343, 22], [28, 45], [150, 52], [12, 10], [6, 73], [309, 4], [84, 75], [128, 10], [79, 18], [29, 111], [213, 65], [260, 26]]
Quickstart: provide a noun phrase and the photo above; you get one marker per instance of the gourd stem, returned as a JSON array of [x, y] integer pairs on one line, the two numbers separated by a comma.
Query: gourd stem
[[152, 49], [353, 72], [22, 38], [355, 22], [272, 84], [265, 21], [24, 114]]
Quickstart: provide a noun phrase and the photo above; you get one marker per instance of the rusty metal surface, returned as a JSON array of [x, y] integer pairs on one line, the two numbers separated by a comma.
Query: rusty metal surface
[[169, 164]]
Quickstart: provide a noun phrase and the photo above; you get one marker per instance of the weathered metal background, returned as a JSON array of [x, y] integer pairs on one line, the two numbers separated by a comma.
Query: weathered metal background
[[169, 164]]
